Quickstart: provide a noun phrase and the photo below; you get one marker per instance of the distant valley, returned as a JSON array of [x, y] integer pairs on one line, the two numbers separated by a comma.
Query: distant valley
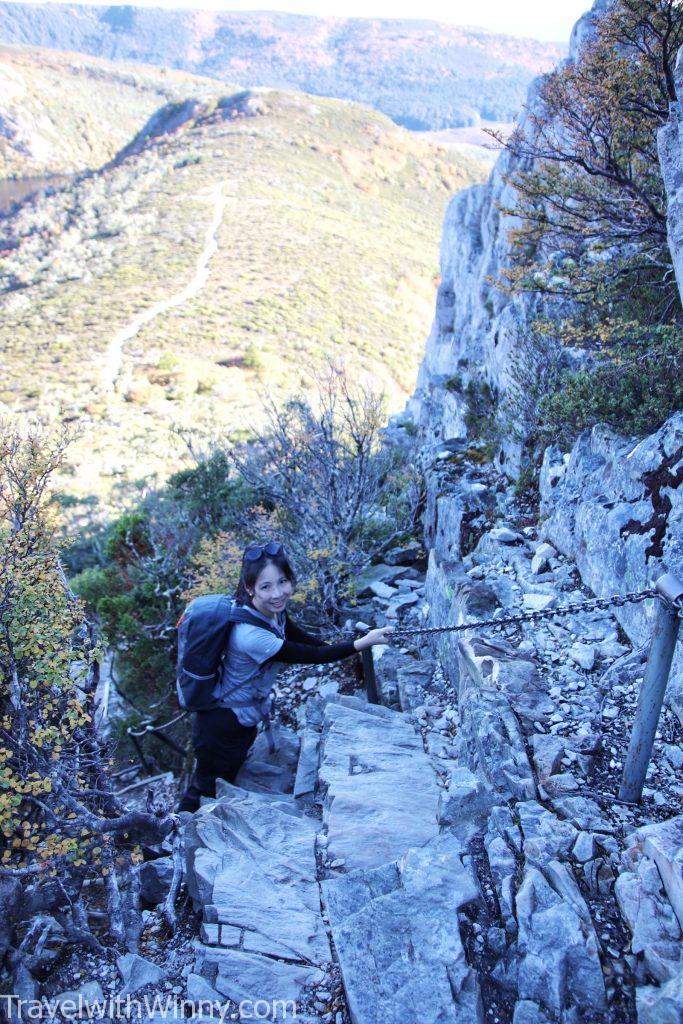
[[236, 245], [424, 75]]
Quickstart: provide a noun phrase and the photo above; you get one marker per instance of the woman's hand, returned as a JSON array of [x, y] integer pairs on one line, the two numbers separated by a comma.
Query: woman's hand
[[375, 636]]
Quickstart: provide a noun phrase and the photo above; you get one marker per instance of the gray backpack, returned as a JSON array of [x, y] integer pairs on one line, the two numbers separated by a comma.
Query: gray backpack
[[203, 633]]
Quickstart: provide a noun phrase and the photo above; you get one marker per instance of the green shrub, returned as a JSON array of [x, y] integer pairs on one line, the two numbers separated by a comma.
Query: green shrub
[[480, 417], [634, 391], [454, 384]]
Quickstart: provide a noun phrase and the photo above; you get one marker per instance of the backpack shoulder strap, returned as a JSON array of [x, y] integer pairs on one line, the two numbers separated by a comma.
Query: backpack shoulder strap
[[238, 613]]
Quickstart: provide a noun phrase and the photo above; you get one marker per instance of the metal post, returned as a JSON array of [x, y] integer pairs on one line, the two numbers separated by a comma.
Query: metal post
[[369, 675], [651, 696]]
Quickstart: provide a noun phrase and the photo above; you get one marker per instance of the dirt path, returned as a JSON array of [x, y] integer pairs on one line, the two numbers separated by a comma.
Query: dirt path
[[114, 357]]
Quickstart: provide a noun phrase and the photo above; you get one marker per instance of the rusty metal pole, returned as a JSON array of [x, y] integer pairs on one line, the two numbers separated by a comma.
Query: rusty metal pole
[[651, 696]]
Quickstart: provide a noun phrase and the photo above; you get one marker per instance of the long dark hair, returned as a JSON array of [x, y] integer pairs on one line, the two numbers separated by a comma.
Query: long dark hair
[[251, 568]]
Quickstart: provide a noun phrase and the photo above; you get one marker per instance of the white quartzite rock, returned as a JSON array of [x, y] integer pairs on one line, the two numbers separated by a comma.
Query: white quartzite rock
[[137, 972], [661, 1005], [560, 964], [396, 932], [663, 842], [391, 801]]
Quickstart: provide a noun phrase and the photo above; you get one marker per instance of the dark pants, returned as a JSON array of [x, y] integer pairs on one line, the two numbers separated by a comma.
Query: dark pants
[[221, 744]]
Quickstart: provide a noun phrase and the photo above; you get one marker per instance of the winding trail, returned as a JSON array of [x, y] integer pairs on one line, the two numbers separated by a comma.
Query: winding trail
[[114, 357]]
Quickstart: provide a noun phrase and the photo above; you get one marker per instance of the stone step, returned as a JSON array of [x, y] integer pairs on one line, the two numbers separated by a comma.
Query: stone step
[[251, 870], [663, 843], [380, 791], [395, 930], [271, 772]]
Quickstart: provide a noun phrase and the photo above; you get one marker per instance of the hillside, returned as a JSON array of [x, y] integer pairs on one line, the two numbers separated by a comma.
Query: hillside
[[421, 74], [63, 112], [234, 249]]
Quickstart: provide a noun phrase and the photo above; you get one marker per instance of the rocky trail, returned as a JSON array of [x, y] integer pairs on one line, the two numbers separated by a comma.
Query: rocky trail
[[456, 853]]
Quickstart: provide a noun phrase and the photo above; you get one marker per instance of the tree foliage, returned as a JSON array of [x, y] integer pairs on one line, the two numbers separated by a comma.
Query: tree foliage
[[61, 819], [632, 387], [588, 186], [329, 487]]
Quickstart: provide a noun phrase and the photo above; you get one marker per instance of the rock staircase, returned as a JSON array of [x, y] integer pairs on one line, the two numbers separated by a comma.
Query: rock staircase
[[449, 863], [279, 890]]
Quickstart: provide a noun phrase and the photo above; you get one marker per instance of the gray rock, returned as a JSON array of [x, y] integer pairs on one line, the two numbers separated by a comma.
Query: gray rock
[[24, 985], [377, 574], [465, 806], [504, 535], [644, 907], [137, 972], [584, 847], [583, 813], [398, 941], [88, 995], [583, 655], [545, 835], [596, 514], [246, 976], [374, 814], [527, 1012], [548, 752], [307, 767], [264, 771], [560, 965], [663, 843], [380, 589], [664, 960], [403, 556], [256, 857], [661, 1005], [538, 602], [199, 990], [155, 880], [399, 603], [503, 865]]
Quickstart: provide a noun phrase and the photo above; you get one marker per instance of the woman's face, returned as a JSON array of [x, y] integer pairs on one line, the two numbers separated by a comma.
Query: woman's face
[[272, 591]]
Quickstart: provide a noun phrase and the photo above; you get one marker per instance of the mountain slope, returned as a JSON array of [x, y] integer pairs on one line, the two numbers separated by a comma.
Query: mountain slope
[[235, 248], [422, 74], [63, 112]]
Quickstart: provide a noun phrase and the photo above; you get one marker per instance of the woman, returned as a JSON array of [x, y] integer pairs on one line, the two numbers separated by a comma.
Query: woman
[[223, 735]]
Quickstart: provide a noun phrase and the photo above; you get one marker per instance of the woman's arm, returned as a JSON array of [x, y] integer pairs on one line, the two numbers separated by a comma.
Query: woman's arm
[[293, 653], [294, 632]]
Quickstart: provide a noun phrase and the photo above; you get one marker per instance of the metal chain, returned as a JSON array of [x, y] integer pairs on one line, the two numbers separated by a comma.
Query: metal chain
[[590, 603]]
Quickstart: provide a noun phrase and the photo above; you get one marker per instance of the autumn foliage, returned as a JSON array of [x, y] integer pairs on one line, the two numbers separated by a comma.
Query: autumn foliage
[[586, 174], [60, 818]]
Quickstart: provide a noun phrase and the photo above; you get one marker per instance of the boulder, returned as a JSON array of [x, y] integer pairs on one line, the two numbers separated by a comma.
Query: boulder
[[661, 1005], [155, 880], [396, 932], [663, 843], [136, 973]]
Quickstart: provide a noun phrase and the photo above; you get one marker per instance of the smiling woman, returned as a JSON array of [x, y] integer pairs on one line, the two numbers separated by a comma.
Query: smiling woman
[[223, 733]]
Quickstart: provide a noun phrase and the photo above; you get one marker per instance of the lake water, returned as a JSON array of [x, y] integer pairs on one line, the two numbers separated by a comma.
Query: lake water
[[15, 190]]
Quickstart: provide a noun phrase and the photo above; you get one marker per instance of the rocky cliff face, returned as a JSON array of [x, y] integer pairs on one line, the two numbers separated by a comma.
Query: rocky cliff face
[[613, 505], [670, 146], [478, 325]]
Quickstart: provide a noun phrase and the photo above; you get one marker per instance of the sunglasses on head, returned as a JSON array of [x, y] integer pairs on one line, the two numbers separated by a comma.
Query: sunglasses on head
[[256, 551]]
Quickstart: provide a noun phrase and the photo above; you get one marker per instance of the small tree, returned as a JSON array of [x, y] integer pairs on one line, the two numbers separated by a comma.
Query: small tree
[[328, 485], [59, 814], [587, 178]]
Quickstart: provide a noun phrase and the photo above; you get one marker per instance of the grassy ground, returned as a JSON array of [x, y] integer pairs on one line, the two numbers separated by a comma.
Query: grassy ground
[[327, 248], [65, 112]]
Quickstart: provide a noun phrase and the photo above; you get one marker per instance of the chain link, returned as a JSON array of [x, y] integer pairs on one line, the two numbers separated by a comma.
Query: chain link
[[589, 604]]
